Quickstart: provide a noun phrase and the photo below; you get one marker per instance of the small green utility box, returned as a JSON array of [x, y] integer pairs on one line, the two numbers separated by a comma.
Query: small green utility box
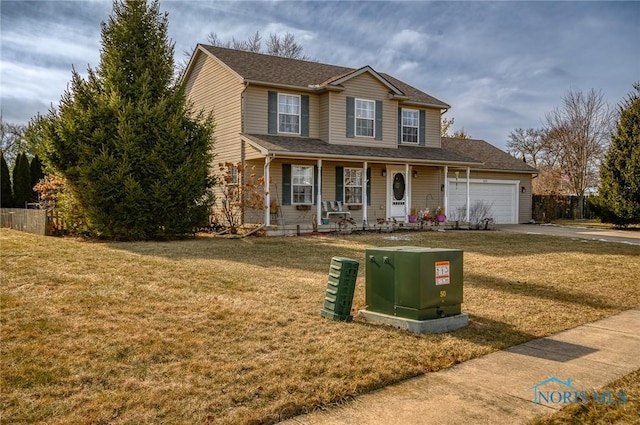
[[414, 282], [341, 284]]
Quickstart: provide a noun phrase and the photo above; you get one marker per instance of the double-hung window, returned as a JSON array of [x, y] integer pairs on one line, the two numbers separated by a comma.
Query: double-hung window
[[410, 123], [288, 113], [353, 186], [302, 184], [365, 117]]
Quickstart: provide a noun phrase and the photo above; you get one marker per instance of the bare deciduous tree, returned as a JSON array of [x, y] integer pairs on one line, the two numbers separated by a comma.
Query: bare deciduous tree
[[12, 140], [445, 124], [251, 44], [285, 47], [579, 132], [529, 144], [277, 46], [460, 134]]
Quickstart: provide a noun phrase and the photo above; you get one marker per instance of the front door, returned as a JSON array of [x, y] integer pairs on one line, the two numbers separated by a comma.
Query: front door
[[397, 194]]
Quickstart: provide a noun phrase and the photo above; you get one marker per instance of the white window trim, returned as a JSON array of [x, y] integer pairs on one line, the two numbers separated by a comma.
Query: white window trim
[[355, 118], [417, 142], [312, 185], [233, 173], [299, 114], [344, 185]]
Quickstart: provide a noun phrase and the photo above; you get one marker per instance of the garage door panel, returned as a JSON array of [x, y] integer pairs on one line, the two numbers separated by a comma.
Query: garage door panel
[[501, 198]]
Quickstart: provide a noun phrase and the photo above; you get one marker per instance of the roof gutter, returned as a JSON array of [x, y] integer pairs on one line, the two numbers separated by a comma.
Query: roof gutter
[[309, 89], [430, 105], [285, 154]]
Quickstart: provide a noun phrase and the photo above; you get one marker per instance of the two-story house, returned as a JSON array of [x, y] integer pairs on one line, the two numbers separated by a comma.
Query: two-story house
[[320, 132]]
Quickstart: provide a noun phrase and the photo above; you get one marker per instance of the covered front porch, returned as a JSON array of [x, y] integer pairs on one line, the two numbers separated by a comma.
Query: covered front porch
[[322, 193], [309, 181]]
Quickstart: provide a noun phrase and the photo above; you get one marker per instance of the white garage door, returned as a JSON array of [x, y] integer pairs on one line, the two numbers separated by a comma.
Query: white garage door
[[500, 195]]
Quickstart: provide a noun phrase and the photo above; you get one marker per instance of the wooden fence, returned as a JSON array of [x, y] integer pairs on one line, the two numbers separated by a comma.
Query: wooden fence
[[25, 220], [552, 207]]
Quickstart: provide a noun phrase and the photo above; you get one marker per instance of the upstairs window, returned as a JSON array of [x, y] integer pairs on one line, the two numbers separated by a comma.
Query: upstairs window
[[288, 113], [302, 184], [353, 186], [410, 125], [365, 116]]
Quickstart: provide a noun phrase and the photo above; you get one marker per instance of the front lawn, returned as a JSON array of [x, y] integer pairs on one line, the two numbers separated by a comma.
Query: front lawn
[[596, 413], [229, 331]]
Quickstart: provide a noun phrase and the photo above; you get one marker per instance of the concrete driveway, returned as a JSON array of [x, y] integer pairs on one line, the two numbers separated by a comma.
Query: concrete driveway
[[619, 236]]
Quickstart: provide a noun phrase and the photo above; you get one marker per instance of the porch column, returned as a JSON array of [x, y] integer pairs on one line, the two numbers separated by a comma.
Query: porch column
[[365, 200], [468, 192], [319, 196], [267, 192], [407, 196], [446, 190]]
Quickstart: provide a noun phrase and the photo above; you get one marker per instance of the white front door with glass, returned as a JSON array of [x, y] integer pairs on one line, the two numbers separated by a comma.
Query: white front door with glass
[[396, 193]]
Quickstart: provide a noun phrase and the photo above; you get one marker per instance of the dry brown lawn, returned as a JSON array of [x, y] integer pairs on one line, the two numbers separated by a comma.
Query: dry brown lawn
[[229, 331], [595, 413]]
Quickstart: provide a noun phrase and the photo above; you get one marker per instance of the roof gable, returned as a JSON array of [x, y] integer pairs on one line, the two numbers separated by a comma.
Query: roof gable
[[373, 73]]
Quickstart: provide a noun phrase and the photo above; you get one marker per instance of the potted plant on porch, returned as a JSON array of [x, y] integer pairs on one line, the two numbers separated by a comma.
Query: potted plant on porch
[[440, 217], [413, 216]]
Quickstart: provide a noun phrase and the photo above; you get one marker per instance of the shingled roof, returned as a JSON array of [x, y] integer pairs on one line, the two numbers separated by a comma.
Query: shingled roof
[[491, 157], [303, 146], [271, 69]]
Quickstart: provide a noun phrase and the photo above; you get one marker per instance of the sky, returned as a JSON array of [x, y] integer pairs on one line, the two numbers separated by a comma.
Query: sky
[[500, 65]]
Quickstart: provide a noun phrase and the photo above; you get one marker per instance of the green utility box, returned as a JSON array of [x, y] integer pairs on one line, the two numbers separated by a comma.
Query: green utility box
[[338, 298], [414, 282]]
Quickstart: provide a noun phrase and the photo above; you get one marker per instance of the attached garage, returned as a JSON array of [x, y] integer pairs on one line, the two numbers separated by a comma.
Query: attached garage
[[501, 195]]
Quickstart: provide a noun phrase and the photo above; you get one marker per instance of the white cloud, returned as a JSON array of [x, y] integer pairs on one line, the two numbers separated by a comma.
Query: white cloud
[[33, 82]]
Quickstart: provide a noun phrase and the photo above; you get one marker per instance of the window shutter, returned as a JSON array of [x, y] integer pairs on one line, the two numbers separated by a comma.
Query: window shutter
[[399, 125], [368, 185], [304, 115], [378, 120], [273, 112], [315, 184], [339, 183], [421, 130], [351, 116], [286, 184]]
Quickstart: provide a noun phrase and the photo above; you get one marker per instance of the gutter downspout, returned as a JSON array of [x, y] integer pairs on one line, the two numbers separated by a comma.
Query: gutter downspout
[[446, 189], [468, 193], [365, 199], [407, 194], [267, 193], [319, 195]]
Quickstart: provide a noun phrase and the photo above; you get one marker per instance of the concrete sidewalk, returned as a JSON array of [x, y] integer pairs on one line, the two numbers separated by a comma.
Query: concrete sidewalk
[[630, 237], [499, 387]]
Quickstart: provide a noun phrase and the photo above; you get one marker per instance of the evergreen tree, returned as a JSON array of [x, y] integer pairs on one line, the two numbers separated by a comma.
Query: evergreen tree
[[36, 175], [618, 200], [21, 181], [5, 184], [125, 139]]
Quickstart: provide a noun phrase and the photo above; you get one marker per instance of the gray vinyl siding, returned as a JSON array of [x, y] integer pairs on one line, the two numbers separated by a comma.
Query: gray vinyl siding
[[363, 86], [257, 103]]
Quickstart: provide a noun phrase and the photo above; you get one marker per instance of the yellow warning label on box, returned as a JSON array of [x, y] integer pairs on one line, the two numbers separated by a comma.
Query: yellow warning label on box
[[442, 273]]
